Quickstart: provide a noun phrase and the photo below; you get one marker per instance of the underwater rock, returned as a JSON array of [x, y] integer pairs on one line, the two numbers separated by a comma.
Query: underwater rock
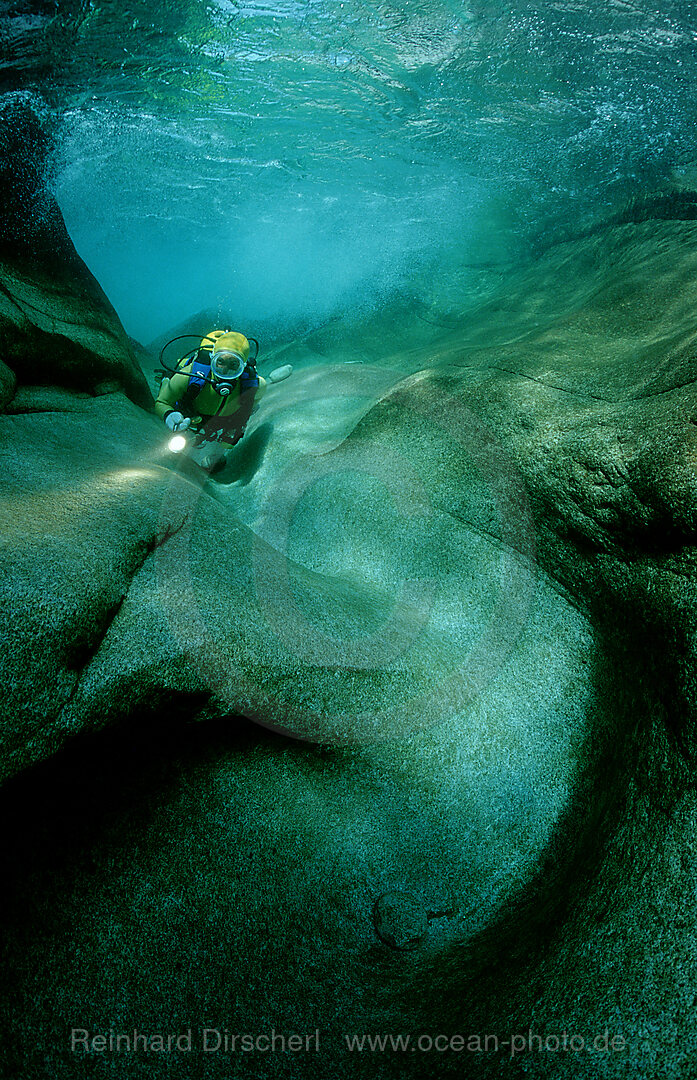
[[8, 384], [400, 920], [459, 604], [435, 683], [56, 323], [80, 511]]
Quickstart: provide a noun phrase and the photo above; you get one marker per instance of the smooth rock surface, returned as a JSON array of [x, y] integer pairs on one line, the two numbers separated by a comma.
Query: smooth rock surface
[[57, 326], [457, 601]]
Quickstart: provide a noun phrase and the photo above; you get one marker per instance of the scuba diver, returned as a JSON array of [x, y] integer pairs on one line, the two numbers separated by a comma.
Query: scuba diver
[[212, 393]]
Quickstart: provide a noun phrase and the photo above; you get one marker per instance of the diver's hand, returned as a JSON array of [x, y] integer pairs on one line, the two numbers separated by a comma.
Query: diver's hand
[[176, 422]]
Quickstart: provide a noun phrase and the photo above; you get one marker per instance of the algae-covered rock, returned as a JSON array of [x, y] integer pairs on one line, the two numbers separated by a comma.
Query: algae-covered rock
[[56, 324], [80, 512], [8, 383]]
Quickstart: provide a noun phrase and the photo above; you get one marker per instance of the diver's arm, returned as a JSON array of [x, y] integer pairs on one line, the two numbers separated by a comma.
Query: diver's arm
[[171, 391], [258, 394]]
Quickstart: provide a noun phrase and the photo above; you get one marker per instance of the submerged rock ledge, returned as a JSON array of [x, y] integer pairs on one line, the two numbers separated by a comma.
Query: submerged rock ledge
[[57, 327]]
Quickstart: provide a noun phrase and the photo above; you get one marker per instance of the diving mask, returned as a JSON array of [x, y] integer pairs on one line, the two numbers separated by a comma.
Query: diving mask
[[227, 365]]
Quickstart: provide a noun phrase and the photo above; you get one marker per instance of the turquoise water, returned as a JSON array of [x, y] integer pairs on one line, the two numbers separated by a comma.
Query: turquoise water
[[284, 161]]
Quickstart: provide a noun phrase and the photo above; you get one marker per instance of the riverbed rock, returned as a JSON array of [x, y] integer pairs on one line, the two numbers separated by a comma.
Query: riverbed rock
[[57, 326], [420, 661]]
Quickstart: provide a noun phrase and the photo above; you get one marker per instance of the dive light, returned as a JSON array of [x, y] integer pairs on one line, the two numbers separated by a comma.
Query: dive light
[[177, 443]]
